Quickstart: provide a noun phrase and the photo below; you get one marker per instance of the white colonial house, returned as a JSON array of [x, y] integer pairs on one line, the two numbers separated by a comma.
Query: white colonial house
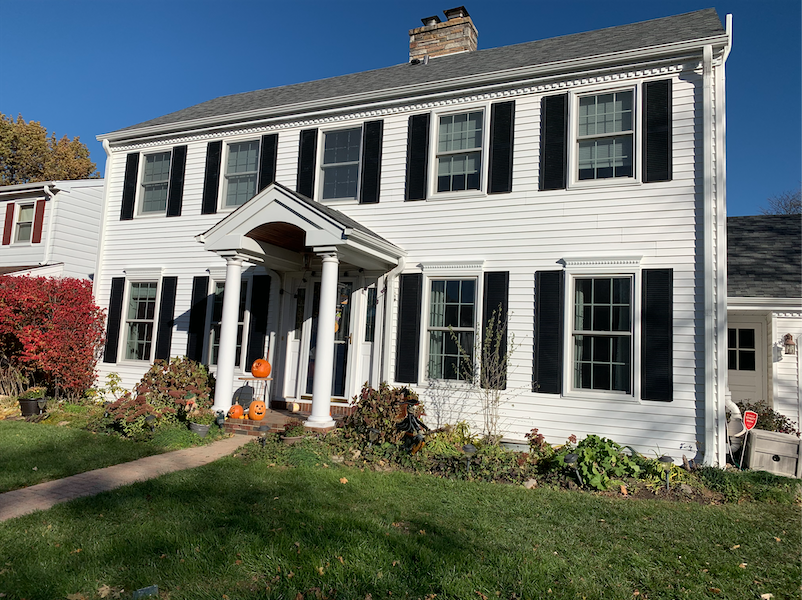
[[51, 228], [349, 226]]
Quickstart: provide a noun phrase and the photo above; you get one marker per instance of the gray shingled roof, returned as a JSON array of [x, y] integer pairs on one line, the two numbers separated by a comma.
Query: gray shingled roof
[[686, 27], [764, 256]]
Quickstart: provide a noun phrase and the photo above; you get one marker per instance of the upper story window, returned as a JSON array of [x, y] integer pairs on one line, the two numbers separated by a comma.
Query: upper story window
[[241, 173], [605, 136], [459, 151], [602, 333], [140, 319], [452, 326], [155, 183], [340, 164], [24, 223]]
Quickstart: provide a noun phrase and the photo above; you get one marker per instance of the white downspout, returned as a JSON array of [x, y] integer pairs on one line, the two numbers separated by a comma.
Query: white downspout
[[103, 218], [50, 221], [389, 288], [710, 393]]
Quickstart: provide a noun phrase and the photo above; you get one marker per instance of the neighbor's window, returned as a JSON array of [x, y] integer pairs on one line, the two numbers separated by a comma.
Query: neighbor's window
[[155, 181], [139, 320], [24, 223], [217, 317], [341, 163], [602, 333], [459, 152], [241, 171], [452, 326], [605, 135], [741, 349]]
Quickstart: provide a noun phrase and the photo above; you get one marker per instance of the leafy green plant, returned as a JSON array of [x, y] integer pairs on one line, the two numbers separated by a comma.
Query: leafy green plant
[[599, 461], [294, 429], [129, 416], [759, 486], [171, 383], [769, 419], [112, 388], [201, 416], [34, 393], [378, 411]]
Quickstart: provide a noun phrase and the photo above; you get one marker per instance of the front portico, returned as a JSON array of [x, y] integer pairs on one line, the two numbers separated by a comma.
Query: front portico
[[284, 231]]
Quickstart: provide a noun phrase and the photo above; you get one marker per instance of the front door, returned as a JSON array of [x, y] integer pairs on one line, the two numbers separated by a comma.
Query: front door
[[342, 337], [746, 354]]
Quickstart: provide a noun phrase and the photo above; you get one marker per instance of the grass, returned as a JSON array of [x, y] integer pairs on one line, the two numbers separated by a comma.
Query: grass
[[249, 529], [32, 453]]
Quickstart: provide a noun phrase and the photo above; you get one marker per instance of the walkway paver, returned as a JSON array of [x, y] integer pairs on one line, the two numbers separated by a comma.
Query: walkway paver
[[44, 495]]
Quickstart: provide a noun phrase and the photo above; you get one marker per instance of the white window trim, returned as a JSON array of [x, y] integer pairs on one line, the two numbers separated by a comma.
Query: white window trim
[[217, 275], [223, 184], [139, 276], [17, 212], [602, 267], [434, 133], [140, 185], [321, 141], [572, 161], [447, 271]]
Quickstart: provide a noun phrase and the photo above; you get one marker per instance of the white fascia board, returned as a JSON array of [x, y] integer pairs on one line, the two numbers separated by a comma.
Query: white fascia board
[[764, 304], [467, 84], [20, 190]]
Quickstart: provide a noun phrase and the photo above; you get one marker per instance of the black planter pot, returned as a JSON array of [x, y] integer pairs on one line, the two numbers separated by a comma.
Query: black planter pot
[[31, 408]]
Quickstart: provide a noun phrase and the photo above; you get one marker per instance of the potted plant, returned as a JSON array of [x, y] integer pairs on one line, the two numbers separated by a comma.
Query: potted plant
[[200, 421], [293, 431], [32, 402]]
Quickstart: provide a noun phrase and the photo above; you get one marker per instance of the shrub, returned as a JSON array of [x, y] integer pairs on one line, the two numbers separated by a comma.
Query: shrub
[[599, 460], [172, 383], [294, 429], [129, 415], [769, 419], [380, 410], [52, 331]]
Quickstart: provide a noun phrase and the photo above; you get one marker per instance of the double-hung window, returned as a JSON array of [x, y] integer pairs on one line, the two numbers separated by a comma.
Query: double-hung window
[[340, 164], [451, 328], [459, 151], [602, 333], [140, 318], [605, 136], [217, 317], [155, 183], [24, 223], [242, 167]]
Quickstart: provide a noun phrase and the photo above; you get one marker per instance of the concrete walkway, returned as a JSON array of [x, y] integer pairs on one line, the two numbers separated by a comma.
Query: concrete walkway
[[44, 495]]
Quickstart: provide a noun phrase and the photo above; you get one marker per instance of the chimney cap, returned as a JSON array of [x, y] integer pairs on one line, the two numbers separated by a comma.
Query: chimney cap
[[456, 13], [430, 21]]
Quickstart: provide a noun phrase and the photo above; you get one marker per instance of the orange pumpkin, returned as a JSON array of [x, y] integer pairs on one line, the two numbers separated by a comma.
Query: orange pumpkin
[[257, 410], [260, 368], [235, 412]]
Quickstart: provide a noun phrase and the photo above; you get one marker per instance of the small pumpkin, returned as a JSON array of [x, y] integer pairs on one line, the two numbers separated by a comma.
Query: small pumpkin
[[235, 412], [260, 368], [257, 410]]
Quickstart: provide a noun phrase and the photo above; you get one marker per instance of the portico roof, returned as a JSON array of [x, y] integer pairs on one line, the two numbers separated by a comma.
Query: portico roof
[[277, 226]]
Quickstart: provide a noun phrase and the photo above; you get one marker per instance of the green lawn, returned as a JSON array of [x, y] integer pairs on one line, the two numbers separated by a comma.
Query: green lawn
[[237, 529], [32, 453]]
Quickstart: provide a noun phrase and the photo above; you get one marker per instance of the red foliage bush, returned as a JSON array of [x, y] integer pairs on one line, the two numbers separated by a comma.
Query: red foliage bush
[[51, 330]]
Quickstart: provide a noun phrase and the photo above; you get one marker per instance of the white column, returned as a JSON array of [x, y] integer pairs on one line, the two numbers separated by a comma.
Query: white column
[[228, 335], [324, 348]]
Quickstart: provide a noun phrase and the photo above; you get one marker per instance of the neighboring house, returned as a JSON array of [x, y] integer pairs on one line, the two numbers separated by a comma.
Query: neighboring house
[[51, 228], [764, 310], [355, 223]]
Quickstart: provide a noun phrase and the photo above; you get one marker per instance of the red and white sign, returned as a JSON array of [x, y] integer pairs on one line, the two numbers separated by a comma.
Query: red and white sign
[[750, 419]]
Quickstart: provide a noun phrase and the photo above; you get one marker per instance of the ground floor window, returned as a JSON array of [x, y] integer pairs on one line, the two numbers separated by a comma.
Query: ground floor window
[[140, 318], [602, 333], [451, 328], [217, 317]]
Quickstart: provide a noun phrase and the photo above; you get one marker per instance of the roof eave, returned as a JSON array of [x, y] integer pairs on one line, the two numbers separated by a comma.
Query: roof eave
[[719, 42]]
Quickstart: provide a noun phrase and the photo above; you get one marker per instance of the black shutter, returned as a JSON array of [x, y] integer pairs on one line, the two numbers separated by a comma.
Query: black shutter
[[371, 162], [657, 335], [260, 296], [211, 178], [129, 186], [178, 163], [417, 156], [113, 322], [502, 125], [409, 315], [496, 291], [197, 318], [549, 302], [307, 154], [554, 141], [267, 160], [657, 125], [164, 331]]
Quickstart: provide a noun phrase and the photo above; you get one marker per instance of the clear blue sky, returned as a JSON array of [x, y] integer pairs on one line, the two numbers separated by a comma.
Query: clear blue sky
[[86, 67]]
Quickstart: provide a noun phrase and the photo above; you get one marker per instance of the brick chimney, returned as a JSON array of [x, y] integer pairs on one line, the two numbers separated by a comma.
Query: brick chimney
[[435, 38]]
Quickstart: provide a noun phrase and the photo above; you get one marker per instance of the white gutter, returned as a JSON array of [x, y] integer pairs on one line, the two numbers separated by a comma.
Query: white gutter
[[389, 293], [710, 392], [51, 220], [373, 97], [103, 219]]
